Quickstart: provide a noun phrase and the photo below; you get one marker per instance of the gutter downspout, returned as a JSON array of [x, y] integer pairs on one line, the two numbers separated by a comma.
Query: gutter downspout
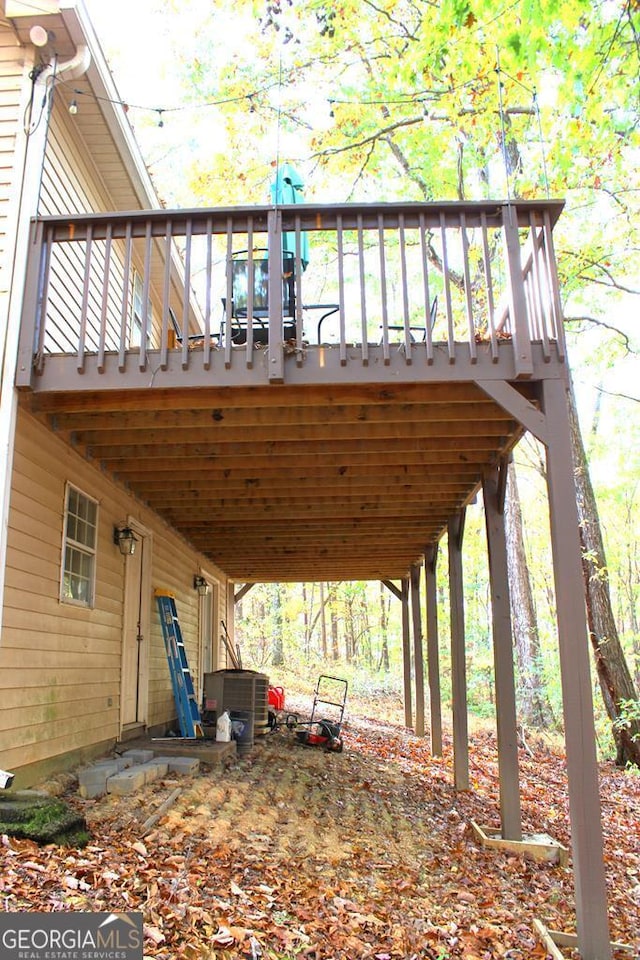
[[30, 154]]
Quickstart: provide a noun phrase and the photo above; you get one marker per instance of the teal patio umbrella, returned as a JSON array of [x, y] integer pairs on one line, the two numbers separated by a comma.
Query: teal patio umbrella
[[288, 188]]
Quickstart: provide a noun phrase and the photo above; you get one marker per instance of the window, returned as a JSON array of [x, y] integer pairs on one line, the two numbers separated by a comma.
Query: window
[[80, 534], [135, 331]]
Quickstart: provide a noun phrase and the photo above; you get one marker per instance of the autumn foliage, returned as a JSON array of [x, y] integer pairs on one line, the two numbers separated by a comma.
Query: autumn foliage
[[293, 852]]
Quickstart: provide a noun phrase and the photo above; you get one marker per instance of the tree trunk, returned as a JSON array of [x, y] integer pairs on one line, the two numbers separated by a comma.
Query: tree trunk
[[277, 649], [614, 676], [333, 613], [307, 602], [536, 710], [323, 624], [349, 631]]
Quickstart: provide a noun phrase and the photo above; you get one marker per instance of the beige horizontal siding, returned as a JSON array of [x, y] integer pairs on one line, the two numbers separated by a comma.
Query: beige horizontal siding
[[60, 663], [11, 86]]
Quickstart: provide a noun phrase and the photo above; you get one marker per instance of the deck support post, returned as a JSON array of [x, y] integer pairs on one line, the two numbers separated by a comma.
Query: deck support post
[[458, 665], [417, 648], [577, 699], [275, 354], [493, 488], [231, 616], [406, 655], [433, 659], [402, 594]]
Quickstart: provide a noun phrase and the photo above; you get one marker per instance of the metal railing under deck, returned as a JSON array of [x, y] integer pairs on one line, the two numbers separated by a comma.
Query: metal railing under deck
[[117, 289]]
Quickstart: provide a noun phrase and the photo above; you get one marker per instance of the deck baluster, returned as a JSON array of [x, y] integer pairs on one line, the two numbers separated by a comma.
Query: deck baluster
[[82, 338], [126, 299]]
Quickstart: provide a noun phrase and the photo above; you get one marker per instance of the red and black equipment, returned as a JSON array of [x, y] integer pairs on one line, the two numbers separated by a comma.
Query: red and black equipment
[[320, 731]]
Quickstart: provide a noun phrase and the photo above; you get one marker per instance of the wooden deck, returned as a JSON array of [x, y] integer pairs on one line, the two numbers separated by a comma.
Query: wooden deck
[[336, 453]]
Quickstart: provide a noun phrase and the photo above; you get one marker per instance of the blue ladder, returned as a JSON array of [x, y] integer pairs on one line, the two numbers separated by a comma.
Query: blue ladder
[[181, 681]]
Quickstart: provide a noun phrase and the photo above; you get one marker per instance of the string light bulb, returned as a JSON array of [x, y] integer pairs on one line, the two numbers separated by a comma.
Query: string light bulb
[[73, 107]]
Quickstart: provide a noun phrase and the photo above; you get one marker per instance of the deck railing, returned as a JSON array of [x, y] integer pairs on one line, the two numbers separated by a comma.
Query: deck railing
[[410, 278]]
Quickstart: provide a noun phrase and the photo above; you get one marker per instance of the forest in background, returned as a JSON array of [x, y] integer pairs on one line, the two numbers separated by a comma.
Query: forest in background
[[415, 100]]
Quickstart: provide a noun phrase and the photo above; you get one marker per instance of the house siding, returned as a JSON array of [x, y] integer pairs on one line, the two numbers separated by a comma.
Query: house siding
[[12, 68], [60, 664]]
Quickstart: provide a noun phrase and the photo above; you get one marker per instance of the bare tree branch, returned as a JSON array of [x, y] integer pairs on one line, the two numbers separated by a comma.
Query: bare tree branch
[[606, 326], [614, 393], [363, 166], [353, 145]]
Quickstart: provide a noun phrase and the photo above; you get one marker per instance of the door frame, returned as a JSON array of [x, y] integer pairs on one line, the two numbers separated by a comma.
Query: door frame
[[134, 594], [210, 600]]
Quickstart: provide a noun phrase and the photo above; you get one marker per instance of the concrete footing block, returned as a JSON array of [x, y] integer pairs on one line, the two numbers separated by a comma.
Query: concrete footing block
[[185, 766], [126, 782], [138, 756], [153, 770], [92, 781]]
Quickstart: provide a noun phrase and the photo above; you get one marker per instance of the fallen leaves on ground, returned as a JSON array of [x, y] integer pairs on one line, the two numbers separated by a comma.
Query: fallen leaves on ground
[[294, 852]]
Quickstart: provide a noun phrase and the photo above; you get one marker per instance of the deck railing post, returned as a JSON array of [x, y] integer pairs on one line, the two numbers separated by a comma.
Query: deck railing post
[[33, 307], [519, 326], [275, 356]]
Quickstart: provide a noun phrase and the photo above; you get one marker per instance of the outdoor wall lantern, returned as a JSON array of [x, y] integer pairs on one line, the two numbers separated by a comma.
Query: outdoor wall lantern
[[39, 36], [124, 538], [201, 585]]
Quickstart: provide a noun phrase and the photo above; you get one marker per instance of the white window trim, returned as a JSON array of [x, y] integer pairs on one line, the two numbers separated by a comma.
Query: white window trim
[[137, 310], [93, 552]]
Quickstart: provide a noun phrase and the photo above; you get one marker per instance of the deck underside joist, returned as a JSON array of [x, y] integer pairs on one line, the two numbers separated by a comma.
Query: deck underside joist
[[296, 483]]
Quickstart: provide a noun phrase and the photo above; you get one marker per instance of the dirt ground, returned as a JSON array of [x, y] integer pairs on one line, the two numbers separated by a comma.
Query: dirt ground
[[369, 853]]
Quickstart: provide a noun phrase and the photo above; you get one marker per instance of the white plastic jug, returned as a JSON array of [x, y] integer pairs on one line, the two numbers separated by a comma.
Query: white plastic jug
[[223, 728]]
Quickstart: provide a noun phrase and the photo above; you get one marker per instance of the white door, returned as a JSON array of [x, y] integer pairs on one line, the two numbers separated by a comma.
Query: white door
[[136, 630]]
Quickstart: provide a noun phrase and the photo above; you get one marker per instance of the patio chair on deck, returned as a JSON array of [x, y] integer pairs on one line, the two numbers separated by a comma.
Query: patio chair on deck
[[433, 313], [256, 303], [194, 339]]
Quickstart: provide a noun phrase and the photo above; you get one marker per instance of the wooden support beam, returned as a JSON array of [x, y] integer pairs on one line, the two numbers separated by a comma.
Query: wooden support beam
[[433, 656], [406, 654], [393, 589], [513, 402], [510, 814], [243, 591], [169, 399], [219, 420], [418, 659], [577, 699], [501, 491], [458, 666]]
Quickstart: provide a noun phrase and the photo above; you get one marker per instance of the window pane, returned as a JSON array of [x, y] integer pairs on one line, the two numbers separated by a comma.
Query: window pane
[[79, 548]]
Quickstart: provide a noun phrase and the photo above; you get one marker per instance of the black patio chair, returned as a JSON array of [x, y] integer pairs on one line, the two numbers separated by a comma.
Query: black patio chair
[[242, 304], [194, 339], [433, 313]]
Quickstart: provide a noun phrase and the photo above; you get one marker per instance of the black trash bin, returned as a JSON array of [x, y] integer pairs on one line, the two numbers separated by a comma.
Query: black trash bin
[[242, 730]]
